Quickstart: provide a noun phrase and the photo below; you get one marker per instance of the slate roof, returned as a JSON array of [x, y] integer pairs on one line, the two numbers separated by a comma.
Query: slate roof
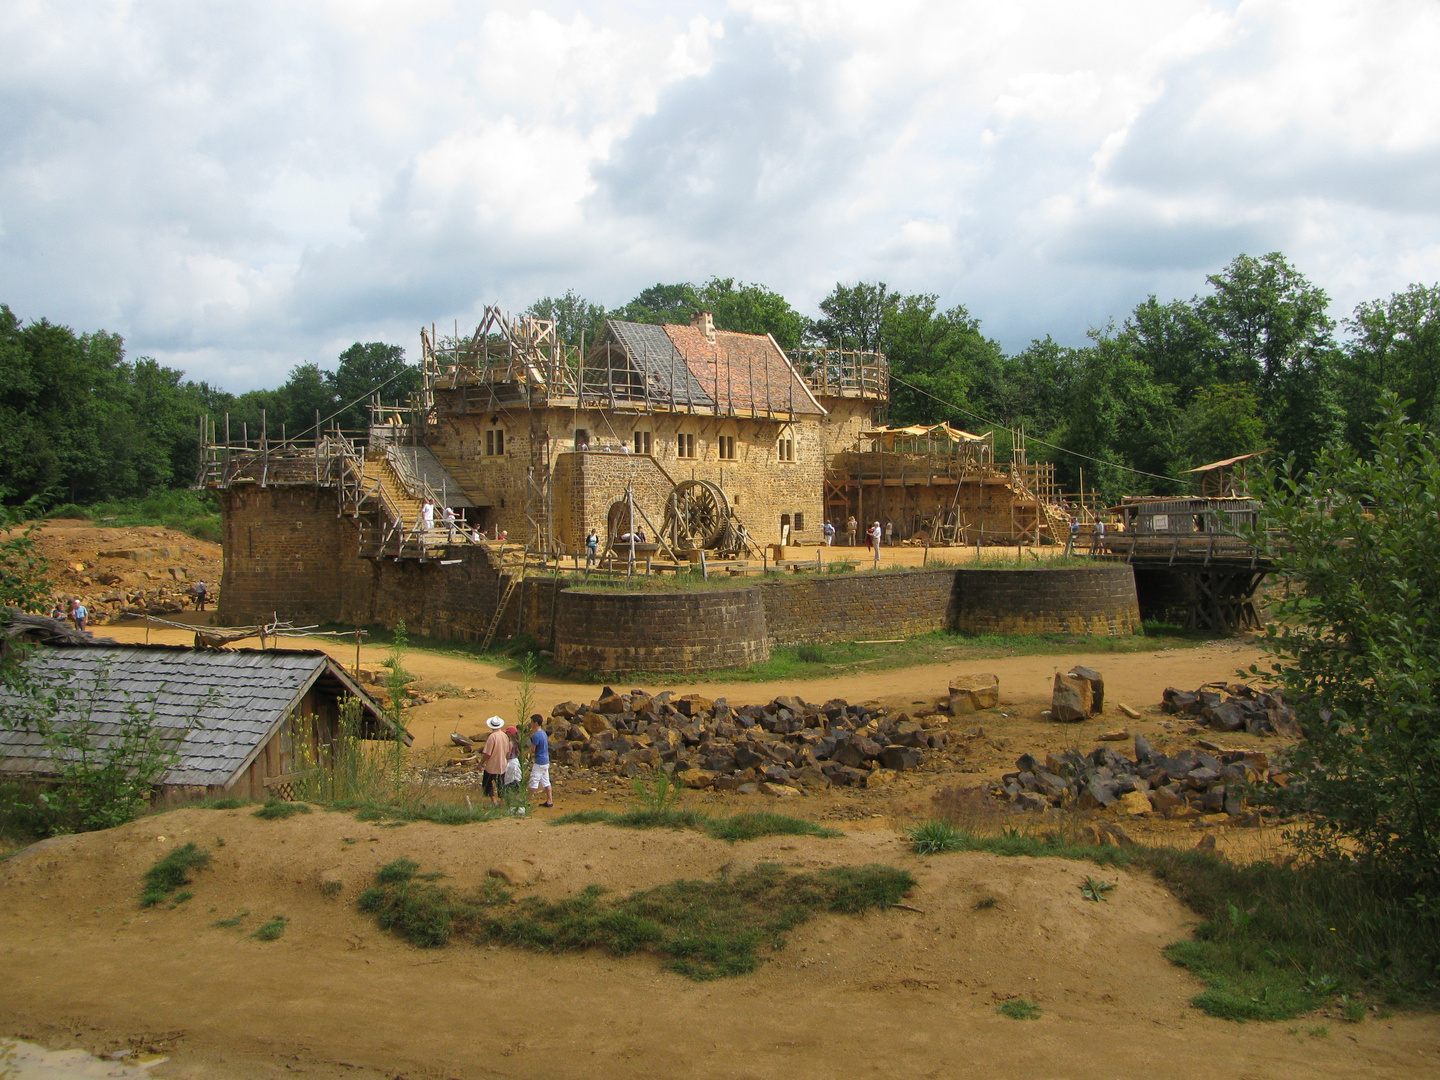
[[220, 705], [427, 467], [660, 363]]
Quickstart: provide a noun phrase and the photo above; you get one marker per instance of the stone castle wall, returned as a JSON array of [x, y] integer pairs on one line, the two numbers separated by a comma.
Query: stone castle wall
[[288, 553]]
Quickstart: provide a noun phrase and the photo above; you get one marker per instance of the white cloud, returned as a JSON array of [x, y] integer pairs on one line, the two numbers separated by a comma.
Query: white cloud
[[238, 189]]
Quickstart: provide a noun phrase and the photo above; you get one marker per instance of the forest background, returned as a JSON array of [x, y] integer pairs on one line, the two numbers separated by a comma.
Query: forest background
[[1254, 362]]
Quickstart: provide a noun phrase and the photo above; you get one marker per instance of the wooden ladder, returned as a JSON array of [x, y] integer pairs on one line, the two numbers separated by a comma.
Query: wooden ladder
[[510, 587]]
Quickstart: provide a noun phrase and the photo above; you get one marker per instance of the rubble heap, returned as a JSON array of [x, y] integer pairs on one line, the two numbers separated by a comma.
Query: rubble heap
[[1235, 707], [776, 749], [1188, 783]]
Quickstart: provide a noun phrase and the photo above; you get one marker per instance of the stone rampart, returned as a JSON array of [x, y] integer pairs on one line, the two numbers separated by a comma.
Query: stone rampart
[[1066, 600], [288, 553], [843, 607], [672, 632]]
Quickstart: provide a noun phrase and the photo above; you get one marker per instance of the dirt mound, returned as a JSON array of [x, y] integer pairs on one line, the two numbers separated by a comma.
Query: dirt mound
[[117, 570], [883, 993]]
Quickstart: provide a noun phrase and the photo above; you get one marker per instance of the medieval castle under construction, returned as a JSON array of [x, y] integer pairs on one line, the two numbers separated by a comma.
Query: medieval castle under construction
[[698, 438]]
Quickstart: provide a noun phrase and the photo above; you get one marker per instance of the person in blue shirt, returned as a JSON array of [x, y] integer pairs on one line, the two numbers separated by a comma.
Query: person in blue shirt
[[540, 763]]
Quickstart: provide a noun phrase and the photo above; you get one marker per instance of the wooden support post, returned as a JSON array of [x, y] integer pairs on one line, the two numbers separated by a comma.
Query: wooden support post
[[704, 566]]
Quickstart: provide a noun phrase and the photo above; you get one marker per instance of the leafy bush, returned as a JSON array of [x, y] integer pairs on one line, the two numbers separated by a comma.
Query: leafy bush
[[1356, 643], [170, 872]]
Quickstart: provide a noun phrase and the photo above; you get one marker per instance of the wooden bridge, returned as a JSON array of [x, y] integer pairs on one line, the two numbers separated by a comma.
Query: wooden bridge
[[1211, 575]]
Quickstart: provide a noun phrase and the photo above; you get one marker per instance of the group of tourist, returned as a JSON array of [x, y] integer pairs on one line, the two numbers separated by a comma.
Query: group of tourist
[[453, 525], [875, 535], [500, 759]]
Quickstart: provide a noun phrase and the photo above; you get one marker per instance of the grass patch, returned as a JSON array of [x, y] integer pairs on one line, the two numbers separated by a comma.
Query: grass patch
[[439, 813], [196, 513], [1274, 942], [277, 809], [703, 929], [786, 662], [170, 872], [232, 922], [222, 804], [271, 929], [1019, 1009], [751, 826]]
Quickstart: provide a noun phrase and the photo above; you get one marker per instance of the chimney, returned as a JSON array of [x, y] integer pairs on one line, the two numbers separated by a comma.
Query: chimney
[[705, 323]]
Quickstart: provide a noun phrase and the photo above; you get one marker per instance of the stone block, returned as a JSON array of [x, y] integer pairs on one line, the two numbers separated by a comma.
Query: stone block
[[973, 693], [1070, 699]]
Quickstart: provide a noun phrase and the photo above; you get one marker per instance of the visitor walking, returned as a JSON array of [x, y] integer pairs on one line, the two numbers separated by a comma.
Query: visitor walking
[[201, 592], [829, 531], [592, 548], [493, 758], [427, 515], [540, 762], [889, 533], [449, 518], [872, 539], [1098, 544], [1074, 535], [78, 615], [850, 528]]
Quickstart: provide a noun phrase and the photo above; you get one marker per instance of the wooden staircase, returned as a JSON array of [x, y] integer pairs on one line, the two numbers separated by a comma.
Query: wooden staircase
[[400, 512]]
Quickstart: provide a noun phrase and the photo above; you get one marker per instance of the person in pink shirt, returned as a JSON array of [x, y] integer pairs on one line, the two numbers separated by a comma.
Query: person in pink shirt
[[493, 759]]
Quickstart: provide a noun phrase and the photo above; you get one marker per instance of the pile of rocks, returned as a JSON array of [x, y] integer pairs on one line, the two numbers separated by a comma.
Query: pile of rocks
[[775, 749], [1235, 707], [1185, 784]]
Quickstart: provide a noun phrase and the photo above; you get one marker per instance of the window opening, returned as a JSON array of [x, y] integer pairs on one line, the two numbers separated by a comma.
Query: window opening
[[685, 446], [495, 442], [642, 442], [727, 447]]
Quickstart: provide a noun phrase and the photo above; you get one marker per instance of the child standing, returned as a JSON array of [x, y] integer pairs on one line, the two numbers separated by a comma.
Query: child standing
[[512, 760], [540, 763]]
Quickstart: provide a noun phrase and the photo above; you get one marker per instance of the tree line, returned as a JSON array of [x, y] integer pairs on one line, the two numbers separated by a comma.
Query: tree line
[[1253, 362]]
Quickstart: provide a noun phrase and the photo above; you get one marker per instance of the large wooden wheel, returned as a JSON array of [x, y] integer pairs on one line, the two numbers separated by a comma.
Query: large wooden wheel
[[696, 514], [618, 521]]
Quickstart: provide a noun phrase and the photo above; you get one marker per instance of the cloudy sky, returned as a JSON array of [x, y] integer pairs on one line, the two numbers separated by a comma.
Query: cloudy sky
[[240, 187]]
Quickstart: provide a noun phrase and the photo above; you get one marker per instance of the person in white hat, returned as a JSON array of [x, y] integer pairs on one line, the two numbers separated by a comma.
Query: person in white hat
[[493, 758]]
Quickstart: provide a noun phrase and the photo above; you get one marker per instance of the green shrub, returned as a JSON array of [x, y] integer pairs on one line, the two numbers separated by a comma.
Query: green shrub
[[810, 654], [703, 929], [1019, 1009], [1355, 641], [271, 929], [170, 872], [277, 809]]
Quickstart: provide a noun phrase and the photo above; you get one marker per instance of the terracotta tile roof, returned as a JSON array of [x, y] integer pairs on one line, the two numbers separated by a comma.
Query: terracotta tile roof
[[743, 371]]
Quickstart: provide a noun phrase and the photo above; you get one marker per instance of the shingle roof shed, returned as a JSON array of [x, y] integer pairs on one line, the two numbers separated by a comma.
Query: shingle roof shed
[[219, 705]]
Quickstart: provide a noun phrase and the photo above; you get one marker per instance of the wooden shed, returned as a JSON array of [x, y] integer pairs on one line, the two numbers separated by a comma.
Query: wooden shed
[[231, 714]]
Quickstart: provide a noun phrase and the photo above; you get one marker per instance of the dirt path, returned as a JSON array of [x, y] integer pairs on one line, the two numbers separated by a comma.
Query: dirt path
[[900, 994]]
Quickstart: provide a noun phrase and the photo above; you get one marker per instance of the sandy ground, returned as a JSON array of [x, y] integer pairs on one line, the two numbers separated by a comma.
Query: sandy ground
[[903, 993], [111, 569]]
